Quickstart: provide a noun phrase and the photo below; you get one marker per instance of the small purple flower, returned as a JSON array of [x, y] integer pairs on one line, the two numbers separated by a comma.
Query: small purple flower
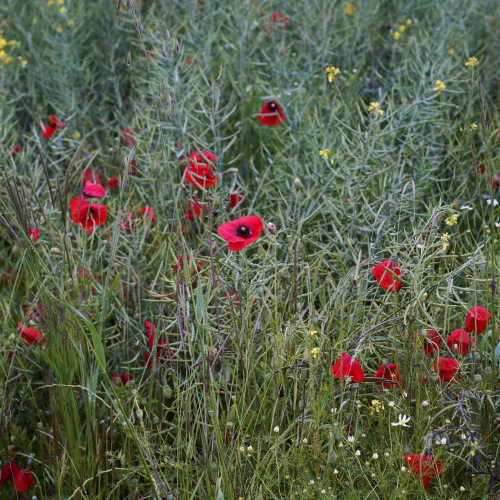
[[494, 286]]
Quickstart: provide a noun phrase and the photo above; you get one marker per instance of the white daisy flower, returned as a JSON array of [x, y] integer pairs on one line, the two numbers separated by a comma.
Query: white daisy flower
[[403, 421]]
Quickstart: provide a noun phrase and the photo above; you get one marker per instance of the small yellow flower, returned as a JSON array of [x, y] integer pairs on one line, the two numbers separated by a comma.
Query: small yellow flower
[[63, 10], [396, 35], [59, 29], [451, 51], [472, 61], [60, 2], [409, 21], [77, 135], [472, 127], [315, 352], [374, 108], [451, 220], [402, 28], [349, 9], [331, 71], [3, 42], [445, 241], [24, 63], [439, 86], [325, 153], [50, 3], [35, 20], [70, 23]]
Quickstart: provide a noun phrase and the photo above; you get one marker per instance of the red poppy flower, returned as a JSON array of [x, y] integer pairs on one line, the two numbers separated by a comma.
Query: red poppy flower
[[235, 199], [86, 215], [112, 182], [384, 278], [150, 332], [424, 467], [34, 234], [127, 136], [199, 171], [446, 367], [122, 379], [241, 232], [477, 319], [432, 342], [9, 471], [271, 114], [160, 349], [280, 21], [389, 372], [90, 176], [189, 60], [31, 335], [184, 260], [124, 225], [93, 190], [149, 212], [16, 149], [23, 480], [194, 210], [459, 341], [347, 367], [50, 129]]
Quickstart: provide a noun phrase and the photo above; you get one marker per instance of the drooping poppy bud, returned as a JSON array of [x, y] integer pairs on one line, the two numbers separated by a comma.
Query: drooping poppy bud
[[446, 368], [34, 234]]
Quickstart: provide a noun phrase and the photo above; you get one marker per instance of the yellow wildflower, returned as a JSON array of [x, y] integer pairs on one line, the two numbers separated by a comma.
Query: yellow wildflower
[[451, 51], [396, 35], [60, 2], [445, 241], [315, 352], [325, 153], [439, 86], [77, 135], [471, 62], [24, 63], [349, 9], [402, 28], [374, 107], [331, 71], [451, 220], [3, 42], [35, 20], [409, 21], [63, 10], [473, 126], [50, 3], [59, 29], [71, 22]]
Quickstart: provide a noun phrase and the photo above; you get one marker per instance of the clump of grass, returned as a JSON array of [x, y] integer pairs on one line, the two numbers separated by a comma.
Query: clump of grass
[[233, 396]]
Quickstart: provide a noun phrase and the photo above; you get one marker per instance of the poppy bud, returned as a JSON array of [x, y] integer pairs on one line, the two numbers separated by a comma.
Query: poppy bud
[[182, 186], [232, 170], [297, 183], [139, 413], [425, 404], [271, 228], [55, 250]]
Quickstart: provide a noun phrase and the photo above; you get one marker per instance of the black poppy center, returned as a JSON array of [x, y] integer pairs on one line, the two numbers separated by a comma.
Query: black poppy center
[[271, 106], [243, 231]]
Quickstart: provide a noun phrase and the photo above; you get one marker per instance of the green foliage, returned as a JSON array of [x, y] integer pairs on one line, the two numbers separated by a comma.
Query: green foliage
[[241, 401]]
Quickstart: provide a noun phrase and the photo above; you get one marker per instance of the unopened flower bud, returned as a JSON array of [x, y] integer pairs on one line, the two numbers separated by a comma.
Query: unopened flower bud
[[182, 186], [297, 183], [271, 228], [425, 404], [55, 250], [139, 413], [232, 170]]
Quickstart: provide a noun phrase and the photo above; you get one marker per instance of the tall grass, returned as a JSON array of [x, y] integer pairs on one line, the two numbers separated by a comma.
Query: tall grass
[[242, 402]]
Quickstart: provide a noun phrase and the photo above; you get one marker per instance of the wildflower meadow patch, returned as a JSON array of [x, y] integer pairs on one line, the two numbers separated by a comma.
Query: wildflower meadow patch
[[249, 249]]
